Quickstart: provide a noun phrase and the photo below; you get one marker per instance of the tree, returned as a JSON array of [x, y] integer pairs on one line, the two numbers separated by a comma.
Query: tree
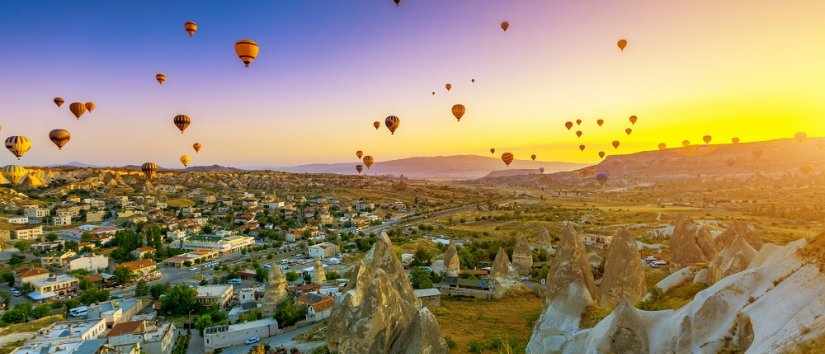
[[202, 322], [261, 274], [420, 278], [288, 313], [8, 278], [156, 290], [422, 257], [141, 289], [16, 259], [291, 276], [122, 275], [179, 300], [41, 311]]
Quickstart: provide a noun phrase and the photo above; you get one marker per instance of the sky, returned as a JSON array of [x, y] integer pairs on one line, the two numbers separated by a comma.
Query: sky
[[328, 69]]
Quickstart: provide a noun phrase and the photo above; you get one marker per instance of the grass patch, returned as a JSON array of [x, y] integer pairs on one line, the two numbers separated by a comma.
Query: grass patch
[[673, 299], [31, 326], [180, 203], [592, 315], [9, 347]]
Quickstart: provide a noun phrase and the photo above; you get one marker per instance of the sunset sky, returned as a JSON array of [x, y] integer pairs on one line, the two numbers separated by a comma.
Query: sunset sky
[[328, 69]]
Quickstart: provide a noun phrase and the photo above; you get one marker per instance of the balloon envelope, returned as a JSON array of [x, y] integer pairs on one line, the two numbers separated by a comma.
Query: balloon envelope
[[58, 101], [458, 111], [246, 50], [507, 158], [392, 123], [77, 108], [60, 137], [18, 145]]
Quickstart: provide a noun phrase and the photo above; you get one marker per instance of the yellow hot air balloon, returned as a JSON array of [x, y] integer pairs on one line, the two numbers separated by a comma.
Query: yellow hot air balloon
[[359, 154], [368, 161], [15, 174], [504, 25], [197, 147], [707, 139], [181, 121], [60, 137], [190, 27], [507, 158], [77, 108], [185, 160], [90, 106], [149, 169], [621, 43], [458, 111], [247, 50], [160, 77], [392, 123], [18, 145], [58, 101], [735, 140]]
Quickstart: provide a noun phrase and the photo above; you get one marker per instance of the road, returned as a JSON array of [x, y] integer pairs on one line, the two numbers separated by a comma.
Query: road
[[412, 219], [283, 340]]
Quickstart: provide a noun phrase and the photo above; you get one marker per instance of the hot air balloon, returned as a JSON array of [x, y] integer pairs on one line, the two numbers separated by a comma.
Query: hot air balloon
[[359, 154], [77, 108], [601, 154], [541, 169], [190, 27], [578, 121], [473, 80], [581, 147], [392, 123], [507, 158], [376, 124], [448, 86], [160, 77], [628, 131], [368, 161], [492, 150], [621, 43], [149, 169], [15, 174], [601, 177], [735, 140], [433, 93], [579, 133], [359, 168], [197, 147], [60, 137], [633, 119], [600, 121], [504, 25], [533, 157], [90, 106], [458, 111], [568, 125], [397, 2], [707, 139], [58, 101], [247, 51], [685, 143], [615, 144], [662, 146], [182, 121], [185, 160], [18, 145]]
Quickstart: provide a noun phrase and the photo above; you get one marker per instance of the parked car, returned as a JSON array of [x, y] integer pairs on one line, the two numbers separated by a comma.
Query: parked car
[[252, 340]]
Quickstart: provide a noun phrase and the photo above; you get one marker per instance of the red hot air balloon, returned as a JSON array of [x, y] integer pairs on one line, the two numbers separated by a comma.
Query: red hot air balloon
[[568, 125], [458, 111], [392, 123], [533, 157], [621, 43], [504, 25], [633, 119], [507, 158], [376, 124]]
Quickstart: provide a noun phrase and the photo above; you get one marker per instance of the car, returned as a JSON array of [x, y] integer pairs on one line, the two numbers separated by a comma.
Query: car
[[193, 269], [252, 340], [16, 292]]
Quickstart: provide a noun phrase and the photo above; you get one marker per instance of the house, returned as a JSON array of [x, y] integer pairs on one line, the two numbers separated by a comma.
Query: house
[[93, 263], [54, 285], [429, 297], [34, 211], [95, 216], [322, 250], [62, 220], [66, 337], [143, 252], [29, 275], [142, 269], [28, 233], [318, 306], [218, 295], [150, 337], [57, 259], [223, 245], [223, 336], [117, 311], [18, 220]]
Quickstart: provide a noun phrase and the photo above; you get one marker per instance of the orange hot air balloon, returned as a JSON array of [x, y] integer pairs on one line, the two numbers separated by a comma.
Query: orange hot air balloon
[[247, 50], [149, 169], [621, 43], [533, 157], [359, 168], [507, 158], [581, 147], [579, 133], [662, 146], [504, 25], [685, 143], [601, 154], [160, 78], [197, 147], [578, 122], [376, 124], [707, 139], [633, 119], [458, 111], [359, 154], [60, 137], [185, 160], [735, 140], [448, 86], [90, 106], [492, 150], [182, 122], [600, 121], [190, 27], [368, 161], [58, 101], [615, 144], [18, 145], [568, 125], [628, 131], [77, 108], [392, 123]]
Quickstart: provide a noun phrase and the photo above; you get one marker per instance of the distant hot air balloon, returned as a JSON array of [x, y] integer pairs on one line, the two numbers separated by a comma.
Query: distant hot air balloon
[[160, 77], [504, 25], [621, 43], [247, 50], [507, 158], [359, 154], [685, 143], [368, 161], [458, 111], [185, 160], [582, 147], [359, 168], [601, 154], [800, 136], [15, 174], [190, 27], [707, 139], [197, 147], [18, 145], [392, 123], [397, 2], [448, 86], [182, 121], [77, 108], [568, 125], [90, 106], [433, 93], [492, 150], [60, 137], [58, 101], [533, 157], [376, 124], [601, 177], [600, 121], [579, 133], [615, 144], [628, 131], [149, 169], [578, 121], [735, 140], [541, 169], [473, 80], [633, 119], [662, 146]]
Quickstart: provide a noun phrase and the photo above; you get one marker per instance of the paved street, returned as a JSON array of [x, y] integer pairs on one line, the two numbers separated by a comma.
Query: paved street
[[283, 340]]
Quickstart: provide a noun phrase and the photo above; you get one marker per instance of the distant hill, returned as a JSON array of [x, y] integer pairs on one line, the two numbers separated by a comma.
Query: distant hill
[[456, 167], [212, 168], [74, 164]]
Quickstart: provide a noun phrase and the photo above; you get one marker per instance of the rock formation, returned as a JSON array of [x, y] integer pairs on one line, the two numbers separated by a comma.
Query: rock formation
[[276, 290], [624, 276], [522, 257], [320, 276], [570, 265], [733, 259], [691, 244], [379, 312], [451, 261], [735, 230], [544, 241], [504, 276]]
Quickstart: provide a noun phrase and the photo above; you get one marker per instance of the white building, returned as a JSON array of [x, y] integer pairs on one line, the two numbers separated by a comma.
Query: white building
[[92, 263], [34, 211], [62, 220], [322, 250], [30, 233], [218, 337], [150, 337], [18, 220]]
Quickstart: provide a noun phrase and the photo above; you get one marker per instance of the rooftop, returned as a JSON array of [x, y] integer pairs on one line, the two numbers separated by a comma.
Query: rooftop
[[213, 290]]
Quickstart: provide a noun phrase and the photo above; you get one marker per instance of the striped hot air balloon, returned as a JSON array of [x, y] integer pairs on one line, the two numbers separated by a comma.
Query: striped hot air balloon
[[18, 145]]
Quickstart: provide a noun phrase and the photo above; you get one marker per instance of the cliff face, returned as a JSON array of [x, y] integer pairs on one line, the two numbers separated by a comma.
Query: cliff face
[[276, 290], [522, 257], [734, 231], [624, 276], [691, 244], [570, 265], [504, 275], [452, 264], [733, 259], [379, 312]]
